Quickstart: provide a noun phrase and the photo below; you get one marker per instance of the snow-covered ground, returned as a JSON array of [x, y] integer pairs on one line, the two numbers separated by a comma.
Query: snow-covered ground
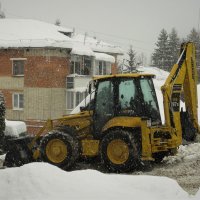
[[44, 181]]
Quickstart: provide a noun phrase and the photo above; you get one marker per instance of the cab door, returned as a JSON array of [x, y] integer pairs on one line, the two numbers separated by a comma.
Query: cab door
[[104, 104]]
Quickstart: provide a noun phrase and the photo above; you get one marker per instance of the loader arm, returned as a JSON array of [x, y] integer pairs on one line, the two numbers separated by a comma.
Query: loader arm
[[182, 80]]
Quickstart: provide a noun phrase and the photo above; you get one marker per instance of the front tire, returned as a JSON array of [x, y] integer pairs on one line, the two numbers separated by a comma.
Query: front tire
[[120, 151], [60, 149]]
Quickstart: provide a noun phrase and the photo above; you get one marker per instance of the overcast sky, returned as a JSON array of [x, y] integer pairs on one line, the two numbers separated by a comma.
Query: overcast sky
[[120, 22]]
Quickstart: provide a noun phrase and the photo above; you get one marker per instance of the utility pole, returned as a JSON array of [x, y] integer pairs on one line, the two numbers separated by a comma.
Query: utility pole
[[85, 36], [199, 22]]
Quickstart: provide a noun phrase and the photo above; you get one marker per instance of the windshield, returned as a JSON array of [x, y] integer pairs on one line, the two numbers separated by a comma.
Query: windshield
[[150, 100]]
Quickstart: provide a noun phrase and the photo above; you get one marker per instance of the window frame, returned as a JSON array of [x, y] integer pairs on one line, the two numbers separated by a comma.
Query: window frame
[[18, 59], [70, 83], [73, 100], [75, 59], [18, 107], [82, 68]]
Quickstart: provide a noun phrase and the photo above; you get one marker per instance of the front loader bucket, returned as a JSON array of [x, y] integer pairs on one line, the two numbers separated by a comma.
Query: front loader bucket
[[18, 152]]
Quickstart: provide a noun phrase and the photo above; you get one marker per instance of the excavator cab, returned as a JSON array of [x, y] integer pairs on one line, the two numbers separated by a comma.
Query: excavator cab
[[121, 95]]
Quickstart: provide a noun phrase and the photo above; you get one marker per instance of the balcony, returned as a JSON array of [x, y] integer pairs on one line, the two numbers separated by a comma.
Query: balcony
[[74, 81]]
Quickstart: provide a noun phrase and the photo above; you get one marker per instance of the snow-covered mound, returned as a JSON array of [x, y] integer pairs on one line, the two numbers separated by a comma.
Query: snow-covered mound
[[15, 128], [186, 153], [160, 74], [44, 181]]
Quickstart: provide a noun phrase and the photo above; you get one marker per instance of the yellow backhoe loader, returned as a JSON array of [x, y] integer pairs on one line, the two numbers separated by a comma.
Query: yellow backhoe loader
[[122, 124]]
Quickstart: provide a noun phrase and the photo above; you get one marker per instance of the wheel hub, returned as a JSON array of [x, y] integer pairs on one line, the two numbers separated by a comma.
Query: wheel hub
[[56, 150], [118, 151]]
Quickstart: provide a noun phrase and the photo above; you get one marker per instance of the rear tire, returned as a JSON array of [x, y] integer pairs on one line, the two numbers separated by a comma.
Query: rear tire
[[60, 149], [120, 151]]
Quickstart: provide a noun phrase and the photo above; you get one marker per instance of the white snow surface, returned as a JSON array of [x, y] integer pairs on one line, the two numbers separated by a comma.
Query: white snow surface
[[14, 128], [186, 153], [43, 181], [32, 33], [104, 57], [81, 49], [97, 45], [19, 33]]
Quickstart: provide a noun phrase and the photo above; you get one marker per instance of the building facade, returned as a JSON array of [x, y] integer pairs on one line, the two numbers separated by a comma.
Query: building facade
[[47, 82]]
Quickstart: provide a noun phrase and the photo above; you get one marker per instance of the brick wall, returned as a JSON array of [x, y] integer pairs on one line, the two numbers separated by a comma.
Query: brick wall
[[6, 63], [43, 83], [40, 72]]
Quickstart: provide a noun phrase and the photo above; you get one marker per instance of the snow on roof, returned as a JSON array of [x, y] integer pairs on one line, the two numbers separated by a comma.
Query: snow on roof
[[32, 33], [104, 57], [81, 49], [97, 45], [16, 33]]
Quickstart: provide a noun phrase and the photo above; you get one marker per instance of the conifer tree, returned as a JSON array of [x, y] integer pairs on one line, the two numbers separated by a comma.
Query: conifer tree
[[173, 48], [132, 59], [194, 36], [160, 57]]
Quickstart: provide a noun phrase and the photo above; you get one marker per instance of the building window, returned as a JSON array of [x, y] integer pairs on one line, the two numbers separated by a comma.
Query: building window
[[102, 68], [75, 65], [74, 98], [81, 65], [18, 67], [18, 101], [70, 100], [70, 82], [87, 65], [79, 97]]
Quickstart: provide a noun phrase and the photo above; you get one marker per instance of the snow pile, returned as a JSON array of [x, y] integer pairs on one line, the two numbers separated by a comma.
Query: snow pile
[[15, 128], [160, 74], [186, 153], [44, 181]]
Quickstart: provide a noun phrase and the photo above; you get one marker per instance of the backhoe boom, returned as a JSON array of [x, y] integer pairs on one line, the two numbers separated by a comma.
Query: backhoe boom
[[182, 80]]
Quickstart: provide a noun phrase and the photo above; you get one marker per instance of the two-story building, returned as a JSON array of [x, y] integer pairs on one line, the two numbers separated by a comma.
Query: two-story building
[[45, 69]]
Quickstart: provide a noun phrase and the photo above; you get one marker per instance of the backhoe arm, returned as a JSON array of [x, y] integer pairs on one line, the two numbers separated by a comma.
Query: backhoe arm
[[182, 80]]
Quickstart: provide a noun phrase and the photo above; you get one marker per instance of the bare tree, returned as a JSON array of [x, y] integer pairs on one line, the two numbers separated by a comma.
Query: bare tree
[[57, 22], [2, 14]]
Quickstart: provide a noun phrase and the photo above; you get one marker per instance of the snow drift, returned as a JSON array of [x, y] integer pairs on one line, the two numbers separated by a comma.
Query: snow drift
[[44, 181]]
